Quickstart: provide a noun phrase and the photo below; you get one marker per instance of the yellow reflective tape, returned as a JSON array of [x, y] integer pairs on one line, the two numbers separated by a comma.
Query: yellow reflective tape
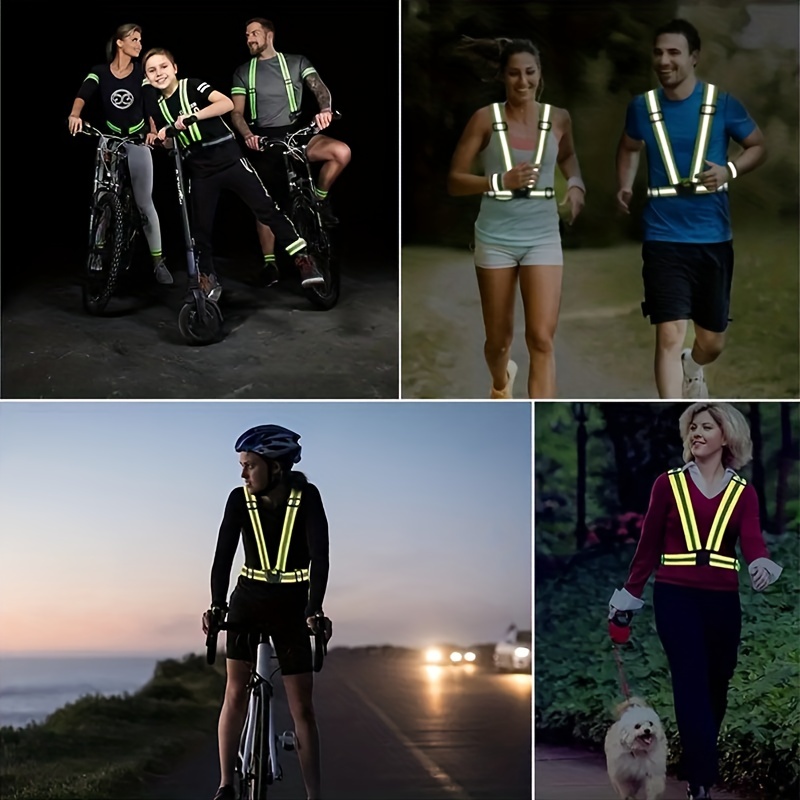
[[273, 576], [192, 131], [287, 82], [500, 130], [252, 509], [723, 515], [251, 86], [544, 127], [288, 525], [680, 489], [662, 140], [687, 559], [726, 562]]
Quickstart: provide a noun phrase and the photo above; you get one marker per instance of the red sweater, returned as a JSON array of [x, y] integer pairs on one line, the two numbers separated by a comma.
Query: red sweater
[[662, 533]]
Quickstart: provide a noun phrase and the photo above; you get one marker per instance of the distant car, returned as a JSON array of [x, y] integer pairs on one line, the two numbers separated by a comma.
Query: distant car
[[513, 652], [449, 654]]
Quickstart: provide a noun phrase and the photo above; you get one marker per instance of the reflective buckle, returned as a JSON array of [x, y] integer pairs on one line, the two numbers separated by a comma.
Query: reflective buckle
[[707, 108], [545, 125], [703, 558], [685, 188], [272, 576], [499, 126], [656, 116]]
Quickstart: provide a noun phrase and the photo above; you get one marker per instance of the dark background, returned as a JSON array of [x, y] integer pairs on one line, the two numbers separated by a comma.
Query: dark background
[[46, 203]]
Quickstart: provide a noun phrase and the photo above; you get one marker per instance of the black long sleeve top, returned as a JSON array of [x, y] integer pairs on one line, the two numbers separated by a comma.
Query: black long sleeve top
[[309, 546]]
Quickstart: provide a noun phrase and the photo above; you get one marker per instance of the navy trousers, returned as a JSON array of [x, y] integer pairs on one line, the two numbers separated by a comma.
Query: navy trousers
[[700, 630]]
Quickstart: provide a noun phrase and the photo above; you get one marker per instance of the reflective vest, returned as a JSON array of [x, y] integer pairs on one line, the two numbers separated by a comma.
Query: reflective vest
[[500, 126], [287, 83], [278, 573], [678, 185], [697, 553], [192, 133]]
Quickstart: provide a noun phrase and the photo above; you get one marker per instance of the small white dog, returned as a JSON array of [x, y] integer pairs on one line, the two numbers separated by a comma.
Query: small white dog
[[636, 752]]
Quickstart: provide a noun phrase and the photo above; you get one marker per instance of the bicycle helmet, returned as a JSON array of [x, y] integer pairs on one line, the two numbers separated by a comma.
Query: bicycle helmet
[[271, 442]]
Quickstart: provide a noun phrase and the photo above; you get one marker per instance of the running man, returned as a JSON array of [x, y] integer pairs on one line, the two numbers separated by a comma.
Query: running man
[[686, 126]]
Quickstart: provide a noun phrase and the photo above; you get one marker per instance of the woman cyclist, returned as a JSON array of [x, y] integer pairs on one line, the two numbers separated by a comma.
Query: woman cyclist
[[696, 515], [215, 163], [286, 597], [119, 84]]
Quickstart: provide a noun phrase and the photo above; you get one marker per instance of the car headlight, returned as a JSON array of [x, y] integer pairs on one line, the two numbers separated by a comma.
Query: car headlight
[[456, 657], [433, 656], [469, 656], [521, 652]]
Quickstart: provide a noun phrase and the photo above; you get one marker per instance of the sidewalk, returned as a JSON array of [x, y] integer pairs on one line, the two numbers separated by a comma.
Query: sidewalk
[[563, 773]]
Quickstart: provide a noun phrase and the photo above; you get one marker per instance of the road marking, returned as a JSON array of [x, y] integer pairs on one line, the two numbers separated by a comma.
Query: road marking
[[428, 764]]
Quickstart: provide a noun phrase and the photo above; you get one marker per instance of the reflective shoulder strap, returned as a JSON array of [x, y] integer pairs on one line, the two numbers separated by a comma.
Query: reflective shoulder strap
[[721, 519], [500, 128], [288, 525], [193, 131], [662, 139], [252, 509], [677, 480], [544, 127], [707, 110], [251, 87], [287, 82]]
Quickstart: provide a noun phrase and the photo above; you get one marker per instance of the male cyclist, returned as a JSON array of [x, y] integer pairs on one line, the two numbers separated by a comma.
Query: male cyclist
[[284, 531], [267, 94]]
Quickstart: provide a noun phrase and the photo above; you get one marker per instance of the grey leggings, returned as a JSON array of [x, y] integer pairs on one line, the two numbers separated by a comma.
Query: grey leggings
[[140, 166]]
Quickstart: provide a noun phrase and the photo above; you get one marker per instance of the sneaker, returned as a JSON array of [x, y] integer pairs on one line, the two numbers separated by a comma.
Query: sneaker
[[161, 272], [225, 792], [329, 220], [693, 388], [309, 273], [210, 286], [697, 793], [507, 392]]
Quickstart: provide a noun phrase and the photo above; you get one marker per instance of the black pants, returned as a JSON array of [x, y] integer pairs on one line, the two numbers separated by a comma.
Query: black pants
[[700, 631], [241, 179]]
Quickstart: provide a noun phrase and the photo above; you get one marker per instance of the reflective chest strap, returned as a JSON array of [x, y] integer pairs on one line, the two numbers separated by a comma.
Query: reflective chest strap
[[278, 574], [707, 110], [192, 133], [500, 127], [287, 83], [680, 490]]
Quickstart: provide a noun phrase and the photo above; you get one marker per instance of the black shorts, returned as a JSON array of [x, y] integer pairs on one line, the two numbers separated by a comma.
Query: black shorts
[[269, 164], [688, 281], [280, 607]]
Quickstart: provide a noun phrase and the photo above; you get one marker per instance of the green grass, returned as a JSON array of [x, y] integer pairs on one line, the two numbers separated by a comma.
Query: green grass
[[102, 747]]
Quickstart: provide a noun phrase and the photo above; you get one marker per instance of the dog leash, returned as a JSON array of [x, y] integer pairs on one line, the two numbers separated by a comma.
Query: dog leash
[[622, 681]]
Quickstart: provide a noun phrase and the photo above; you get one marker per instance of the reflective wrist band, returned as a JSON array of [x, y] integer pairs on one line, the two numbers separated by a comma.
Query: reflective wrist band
[[575, 181], [732, 168], [496, 182]]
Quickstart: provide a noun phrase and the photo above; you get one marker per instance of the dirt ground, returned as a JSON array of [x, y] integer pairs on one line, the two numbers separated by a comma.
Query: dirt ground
[[275, 344]]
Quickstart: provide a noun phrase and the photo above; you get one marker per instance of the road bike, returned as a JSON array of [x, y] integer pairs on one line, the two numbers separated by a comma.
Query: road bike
[[200, 319], [257, 763], [304, 211], [114, 220]]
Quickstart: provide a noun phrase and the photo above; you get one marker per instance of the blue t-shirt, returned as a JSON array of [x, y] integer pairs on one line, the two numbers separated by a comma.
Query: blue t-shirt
[[701, 218]]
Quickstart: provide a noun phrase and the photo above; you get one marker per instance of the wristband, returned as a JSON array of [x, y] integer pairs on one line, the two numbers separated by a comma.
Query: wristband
[[575, 181], [732, 167], [496, 182]]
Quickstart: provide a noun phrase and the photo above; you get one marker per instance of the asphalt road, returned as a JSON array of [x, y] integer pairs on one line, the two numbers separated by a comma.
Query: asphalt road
[[275, 344], [393, 729]]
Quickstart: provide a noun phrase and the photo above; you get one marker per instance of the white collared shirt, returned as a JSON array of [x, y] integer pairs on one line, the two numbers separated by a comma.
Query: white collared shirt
[[700, 482]]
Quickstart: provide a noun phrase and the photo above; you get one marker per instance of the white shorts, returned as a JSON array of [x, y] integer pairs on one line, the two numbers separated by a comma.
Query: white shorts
[[496, 256]]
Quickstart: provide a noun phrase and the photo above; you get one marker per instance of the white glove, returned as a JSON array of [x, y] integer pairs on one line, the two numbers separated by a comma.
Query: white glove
[[623, 600], [763, 573]]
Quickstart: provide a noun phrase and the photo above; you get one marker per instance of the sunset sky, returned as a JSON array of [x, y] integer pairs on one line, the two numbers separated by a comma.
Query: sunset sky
[[109, 515]]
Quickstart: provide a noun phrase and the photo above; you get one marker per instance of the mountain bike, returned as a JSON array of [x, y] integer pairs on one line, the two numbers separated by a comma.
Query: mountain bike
[[257, 764], [304, 211], [200, 319], [114, 220]]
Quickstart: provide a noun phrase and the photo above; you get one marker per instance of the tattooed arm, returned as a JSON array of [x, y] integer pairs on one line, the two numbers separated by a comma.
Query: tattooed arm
[[323, 95]]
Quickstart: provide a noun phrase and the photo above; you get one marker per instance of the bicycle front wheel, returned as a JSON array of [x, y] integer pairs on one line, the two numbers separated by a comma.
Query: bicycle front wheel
[[254, 778], [308, 224], [106, 244]]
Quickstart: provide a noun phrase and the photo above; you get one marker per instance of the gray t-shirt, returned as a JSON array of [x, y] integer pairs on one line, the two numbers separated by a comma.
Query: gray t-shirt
[[272, 98]]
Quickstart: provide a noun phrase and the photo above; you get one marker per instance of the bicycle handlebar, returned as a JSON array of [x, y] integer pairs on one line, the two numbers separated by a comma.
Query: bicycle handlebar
[[320, 633], [309, 130], [90, 130], [172, 131]]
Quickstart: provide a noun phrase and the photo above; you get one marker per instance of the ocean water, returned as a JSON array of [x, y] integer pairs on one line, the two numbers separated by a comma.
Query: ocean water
[[32, 688]]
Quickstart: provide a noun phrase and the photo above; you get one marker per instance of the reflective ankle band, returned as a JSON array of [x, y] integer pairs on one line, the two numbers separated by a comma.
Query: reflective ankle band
[[696, 552], [499, 127]]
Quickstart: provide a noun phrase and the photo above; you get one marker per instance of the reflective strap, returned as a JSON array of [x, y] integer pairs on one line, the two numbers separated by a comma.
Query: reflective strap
[[500, 127], [680, 559], [671, 191], [192, 132], [252, 509], [273, 576], [707, 111], [509, 195], [680, 489], [287, 82], [496, 182], [544, 126], [660, 132], [288, 524], [729, 498], [690, 560], [251, 86]]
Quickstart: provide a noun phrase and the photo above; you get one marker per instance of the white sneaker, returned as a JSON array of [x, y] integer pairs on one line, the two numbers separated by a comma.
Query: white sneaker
[[693, 388], [507, 392]]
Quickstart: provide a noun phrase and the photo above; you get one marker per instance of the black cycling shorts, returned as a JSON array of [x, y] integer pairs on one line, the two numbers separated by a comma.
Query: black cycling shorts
[[280, 607], [269, 164], [688, 281]]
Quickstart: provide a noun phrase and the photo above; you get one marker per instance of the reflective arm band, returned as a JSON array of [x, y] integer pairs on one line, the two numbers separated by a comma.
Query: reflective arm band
[[576, 182], [733, 170], [496, 182]]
